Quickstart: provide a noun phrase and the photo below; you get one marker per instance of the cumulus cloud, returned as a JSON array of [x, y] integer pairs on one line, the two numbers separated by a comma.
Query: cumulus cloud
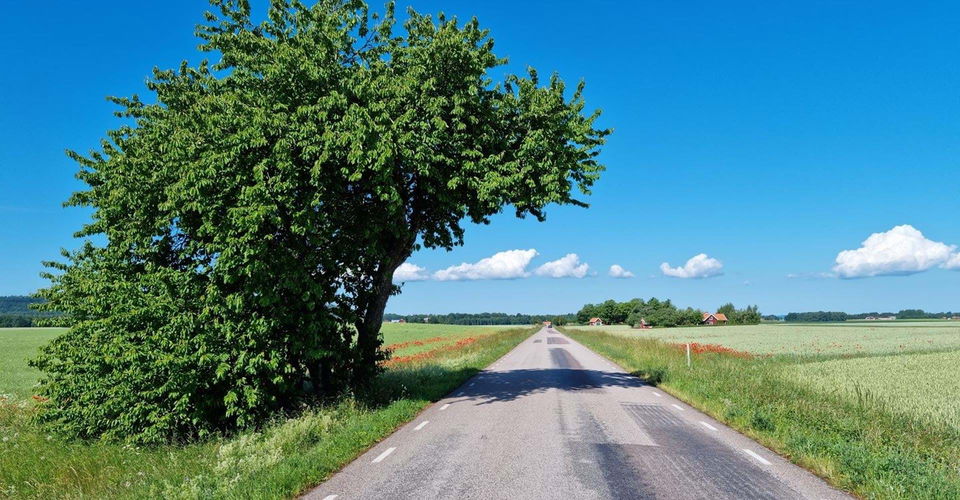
[[616, 271], [899, 251], [510, 264], [410, 272], [568, 266], [953, 262], [699, 266]]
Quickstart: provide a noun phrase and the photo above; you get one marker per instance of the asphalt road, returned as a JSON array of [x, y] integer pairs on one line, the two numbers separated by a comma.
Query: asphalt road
[[553, 419]]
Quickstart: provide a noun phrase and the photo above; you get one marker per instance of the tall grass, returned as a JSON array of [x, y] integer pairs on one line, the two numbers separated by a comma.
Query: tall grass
[[855, 443], [278, 461]]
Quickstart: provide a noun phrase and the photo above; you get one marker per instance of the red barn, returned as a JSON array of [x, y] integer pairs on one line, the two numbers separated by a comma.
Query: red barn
[[714, 319]]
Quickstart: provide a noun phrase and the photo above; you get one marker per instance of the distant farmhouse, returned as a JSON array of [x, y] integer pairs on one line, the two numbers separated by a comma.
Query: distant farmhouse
[[596, 322], [714, 319]]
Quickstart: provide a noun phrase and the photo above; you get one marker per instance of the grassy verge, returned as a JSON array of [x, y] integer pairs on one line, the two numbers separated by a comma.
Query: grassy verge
[[852, 441], [278, 461]]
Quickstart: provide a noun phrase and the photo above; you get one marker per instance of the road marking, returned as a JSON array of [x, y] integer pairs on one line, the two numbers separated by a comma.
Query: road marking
[[384, 455], [760, 459], [657, 394], [708, 426], [444, 407], [471, 384], [677, 407], [425, 422], [330, 497]]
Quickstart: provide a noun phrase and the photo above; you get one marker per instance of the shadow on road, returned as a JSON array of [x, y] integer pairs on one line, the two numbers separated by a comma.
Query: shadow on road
[[495, 386]]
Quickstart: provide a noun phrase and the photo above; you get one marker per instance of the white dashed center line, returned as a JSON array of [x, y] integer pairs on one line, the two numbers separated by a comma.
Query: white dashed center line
[[657, 394], [384, 455], [677, 407], [422, 424], [444, 407], [330, 497], [760, 459], [708, 426]]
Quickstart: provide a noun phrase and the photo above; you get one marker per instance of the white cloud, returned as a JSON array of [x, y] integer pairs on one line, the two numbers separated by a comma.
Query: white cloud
[[568, 266], [410, 272], [616, 271], [953, 262], [506, 265], [699, 266], [901, 250]]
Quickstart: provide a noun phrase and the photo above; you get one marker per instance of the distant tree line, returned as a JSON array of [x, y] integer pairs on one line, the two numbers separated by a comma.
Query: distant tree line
[[481, 318], [663, 313], [826, 316], [816, 316]]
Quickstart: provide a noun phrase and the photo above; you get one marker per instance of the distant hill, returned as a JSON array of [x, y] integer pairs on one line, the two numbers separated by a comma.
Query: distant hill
[[15, 311], [18, 304]]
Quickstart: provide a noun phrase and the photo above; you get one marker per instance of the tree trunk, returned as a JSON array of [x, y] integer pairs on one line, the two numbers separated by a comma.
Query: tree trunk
[[368, 328]]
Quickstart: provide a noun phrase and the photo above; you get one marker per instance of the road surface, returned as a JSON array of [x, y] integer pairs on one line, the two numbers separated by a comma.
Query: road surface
[[553, 419]]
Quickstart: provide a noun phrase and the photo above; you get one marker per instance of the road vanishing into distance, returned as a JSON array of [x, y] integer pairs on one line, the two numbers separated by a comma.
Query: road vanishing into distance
[[553, 419]]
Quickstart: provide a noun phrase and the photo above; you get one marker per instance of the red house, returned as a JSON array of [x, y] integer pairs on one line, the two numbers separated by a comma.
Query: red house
[[714, 319], [596, 322]]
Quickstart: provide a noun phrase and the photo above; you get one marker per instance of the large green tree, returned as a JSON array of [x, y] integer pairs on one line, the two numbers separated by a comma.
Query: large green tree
[[248, 219]]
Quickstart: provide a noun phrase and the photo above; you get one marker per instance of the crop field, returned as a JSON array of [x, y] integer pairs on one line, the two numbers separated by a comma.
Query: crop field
[[924, 386], [906, 367], [805, 339], [277, 461], [407, 339]]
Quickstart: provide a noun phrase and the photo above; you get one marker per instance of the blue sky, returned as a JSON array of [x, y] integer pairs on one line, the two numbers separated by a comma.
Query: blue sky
[[770, 136]]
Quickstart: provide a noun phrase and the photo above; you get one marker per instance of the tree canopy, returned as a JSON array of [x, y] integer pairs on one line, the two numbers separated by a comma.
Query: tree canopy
[[252, 215]]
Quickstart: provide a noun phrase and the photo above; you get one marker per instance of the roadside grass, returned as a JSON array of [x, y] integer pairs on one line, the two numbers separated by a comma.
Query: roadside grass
[[278, 461], [855, 443], [809, 340]]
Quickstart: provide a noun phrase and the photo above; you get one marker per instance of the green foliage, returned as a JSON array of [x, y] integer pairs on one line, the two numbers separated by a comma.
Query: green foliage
[[653, 312], [254, 215], [748, 316]]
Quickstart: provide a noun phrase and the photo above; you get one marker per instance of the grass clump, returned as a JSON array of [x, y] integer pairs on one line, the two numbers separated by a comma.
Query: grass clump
[[855, 443]]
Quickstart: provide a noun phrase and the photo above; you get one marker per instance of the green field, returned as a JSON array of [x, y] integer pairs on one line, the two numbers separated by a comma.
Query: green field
[[924, 386], [16, 346], [440, 335], [277, 461], [869, 338]]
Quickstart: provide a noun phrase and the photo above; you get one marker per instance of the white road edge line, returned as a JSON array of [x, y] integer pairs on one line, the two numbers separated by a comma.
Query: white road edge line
[[330, 497], [677, 407], [384, 455], [444, 407], [657, 394], [422, 424], [760, 459], [708, 426]]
